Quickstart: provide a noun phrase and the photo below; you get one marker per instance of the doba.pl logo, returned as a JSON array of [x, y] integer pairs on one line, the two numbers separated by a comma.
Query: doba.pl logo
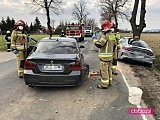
[[141, 111]]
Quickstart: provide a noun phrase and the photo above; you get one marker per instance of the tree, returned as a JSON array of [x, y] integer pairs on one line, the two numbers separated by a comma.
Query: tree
[[37, 24], [80, 12], [114, 9], [61, 27], [2, 25], [8, 24], [47, 5], [91, 22], [137, 29], [31, 28]]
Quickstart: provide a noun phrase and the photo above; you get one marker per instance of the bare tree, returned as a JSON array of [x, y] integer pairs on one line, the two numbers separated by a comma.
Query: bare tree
[[80, 12], [48, 6], [91, 22], [114, 9], [137, 29]]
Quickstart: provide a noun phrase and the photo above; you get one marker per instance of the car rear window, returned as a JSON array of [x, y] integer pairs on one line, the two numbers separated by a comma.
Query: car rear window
[[140, 44], [56, 47]]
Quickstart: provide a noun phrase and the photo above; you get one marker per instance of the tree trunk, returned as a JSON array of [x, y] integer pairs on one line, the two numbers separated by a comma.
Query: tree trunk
[[48, 19], [137, 29], [116, 23]]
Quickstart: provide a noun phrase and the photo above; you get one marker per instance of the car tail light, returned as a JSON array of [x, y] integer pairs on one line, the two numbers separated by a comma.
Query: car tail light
[[150, 54], [75, 66], [125, 48], [29, 65]]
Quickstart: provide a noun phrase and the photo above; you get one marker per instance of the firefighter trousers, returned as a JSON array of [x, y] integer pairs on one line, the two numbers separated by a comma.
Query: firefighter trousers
[[114, 62], [20, 57], [106, 73], [8, 45]]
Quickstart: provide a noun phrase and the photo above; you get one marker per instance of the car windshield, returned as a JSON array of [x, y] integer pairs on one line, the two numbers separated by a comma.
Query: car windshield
[[56, 47], [140, 44]]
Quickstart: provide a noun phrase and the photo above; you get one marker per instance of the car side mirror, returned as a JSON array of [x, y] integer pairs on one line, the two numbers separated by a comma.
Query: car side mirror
[[81, 46]]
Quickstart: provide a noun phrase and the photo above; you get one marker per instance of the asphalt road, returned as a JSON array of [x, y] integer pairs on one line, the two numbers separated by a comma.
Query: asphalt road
[[85, 102]]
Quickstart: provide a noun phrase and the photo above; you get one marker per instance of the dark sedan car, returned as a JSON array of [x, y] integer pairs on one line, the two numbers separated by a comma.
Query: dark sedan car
[[136, 50], [55, 62]]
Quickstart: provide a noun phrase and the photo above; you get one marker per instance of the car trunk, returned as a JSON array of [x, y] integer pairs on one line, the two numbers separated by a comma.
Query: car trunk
[[53, 64]]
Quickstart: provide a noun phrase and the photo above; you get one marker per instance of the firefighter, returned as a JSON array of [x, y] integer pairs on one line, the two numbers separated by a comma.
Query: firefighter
[[19, 45], [8, 39], [115, 54], [62, 34], [105, 44]]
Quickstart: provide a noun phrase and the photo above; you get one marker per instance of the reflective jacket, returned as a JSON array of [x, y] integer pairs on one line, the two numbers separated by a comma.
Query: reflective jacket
[[118, 37], [19, 40], [106, 46], [8, 38]]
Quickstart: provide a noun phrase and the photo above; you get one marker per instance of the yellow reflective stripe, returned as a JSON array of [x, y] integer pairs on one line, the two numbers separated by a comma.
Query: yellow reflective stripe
[[114, 67], [13, 46], [106, 47], [105, 55], [8, 42], [20, 47], [102, 39], [104, 82], [118, 36], [95, 40], [19, 32], [112, 37], [20, 35], [20, 70], [118, 45], [110, 79]]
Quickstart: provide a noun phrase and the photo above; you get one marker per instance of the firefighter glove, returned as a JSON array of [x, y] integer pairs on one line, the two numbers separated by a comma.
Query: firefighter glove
[[15, 51], [94, 36]]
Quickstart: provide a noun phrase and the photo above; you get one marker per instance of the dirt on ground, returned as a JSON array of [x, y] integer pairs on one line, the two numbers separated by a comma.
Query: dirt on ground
[[147, 79]]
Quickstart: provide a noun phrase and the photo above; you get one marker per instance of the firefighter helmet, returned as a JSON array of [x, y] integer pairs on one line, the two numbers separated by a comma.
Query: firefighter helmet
[[107, 24], [19, 23]]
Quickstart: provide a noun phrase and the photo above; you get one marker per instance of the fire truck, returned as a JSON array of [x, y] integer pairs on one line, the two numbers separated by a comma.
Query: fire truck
[[75, 31]]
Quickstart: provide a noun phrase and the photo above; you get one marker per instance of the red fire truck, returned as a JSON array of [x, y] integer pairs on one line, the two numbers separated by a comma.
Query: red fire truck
[[75, 31]]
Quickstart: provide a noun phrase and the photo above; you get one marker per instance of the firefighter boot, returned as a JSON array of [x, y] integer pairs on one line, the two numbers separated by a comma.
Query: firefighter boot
[[101, 87]]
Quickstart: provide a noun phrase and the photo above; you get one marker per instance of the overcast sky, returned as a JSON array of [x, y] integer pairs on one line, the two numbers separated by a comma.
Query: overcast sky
[[17, 10]]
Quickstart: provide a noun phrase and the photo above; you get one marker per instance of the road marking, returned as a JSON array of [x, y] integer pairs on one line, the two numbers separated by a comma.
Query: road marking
[[128, 86], [86, 42]]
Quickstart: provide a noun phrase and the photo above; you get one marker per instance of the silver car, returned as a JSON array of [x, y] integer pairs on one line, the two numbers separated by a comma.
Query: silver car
[[55, 62], [136, 50]]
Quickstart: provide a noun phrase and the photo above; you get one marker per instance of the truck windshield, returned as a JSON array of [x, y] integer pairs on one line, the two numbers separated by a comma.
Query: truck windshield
[[73, 28], [88, 28]]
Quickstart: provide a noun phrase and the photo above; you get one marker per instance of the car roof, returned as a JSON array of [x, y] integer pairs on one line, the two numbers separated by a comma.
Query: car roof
[[63, 39]]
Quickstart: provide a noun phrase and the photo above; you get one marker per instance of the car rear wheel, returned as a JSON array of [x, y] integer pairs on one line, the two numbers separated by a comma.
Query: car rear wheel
[[86, 71], [150, 65]]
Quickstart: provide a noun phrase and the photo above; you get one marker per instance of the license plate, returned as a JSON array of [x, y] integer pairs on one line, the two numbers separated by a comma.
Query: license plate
[[139, 56], [52, 67]]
